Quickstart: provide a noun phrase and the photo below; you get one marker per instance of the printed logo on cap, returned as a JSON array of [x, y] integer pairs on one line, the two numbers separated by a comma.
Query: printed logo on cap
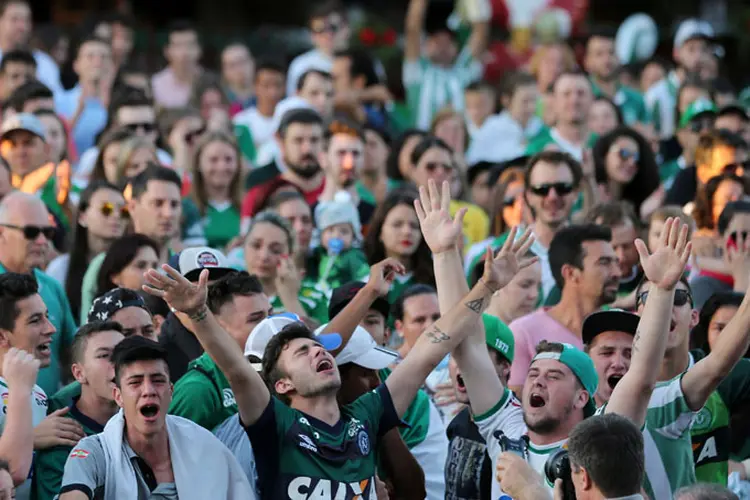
[[207, 259]]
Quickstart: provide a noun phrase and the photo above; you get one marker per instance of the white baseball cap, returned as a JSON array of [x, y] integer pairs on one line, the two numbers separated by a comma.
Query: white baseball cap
[[191, 261], [691, 29], [269, 327], [363, 351]]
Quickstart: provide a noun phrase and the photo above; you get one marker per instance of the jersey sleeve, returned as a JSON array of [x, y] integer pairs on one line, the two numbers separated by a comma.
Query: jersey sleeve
[[195, 399], [376, 408], [507, 417], [85, 468], [49, 466], [668, 412]]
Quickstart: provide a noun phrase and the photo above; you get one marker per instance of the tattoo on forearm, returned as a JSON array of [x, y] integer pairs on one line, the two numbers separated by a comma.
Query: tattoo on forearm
[[636, 340], [436, 335], [476, 305]]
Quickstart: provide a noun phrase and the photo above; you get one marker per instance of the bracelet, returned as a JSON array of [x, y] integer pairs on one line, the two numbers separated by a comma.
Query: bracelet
[[488, 287], [200, 315]]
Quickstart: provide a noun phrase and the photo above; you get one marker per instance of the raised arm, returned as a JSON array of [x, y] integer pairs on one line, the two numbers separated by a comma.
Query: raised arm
[[453, 327], [414, 21], [479, 13], [189, 301], [703, 378], [20, 370], [663, 269]]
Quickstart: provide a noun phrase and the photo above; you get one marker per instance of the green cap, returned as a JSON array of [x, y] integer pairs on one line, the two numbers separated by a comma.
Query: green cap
[[695, 109], [582, 366], [499, 336]]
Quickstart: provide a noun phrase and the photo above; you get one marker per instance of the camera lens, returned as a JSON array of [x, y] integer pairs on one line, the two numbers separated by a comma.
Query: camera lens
[[557, 466]]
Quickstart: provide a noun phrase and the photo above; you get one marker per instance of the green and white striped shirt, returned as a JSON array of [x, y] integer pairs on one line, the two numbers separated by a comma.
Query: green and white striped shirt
[[429, 87]]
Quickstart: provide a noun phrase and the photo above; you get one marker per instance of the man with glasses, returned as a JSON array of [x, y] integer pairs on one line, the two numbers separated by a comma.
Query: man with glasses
[[25, 233]]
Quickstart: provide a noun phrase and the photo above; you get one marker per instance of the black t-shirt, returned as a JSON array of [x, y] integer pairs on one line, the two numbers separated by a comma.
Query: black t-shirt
[[684, 187], [468, 469]]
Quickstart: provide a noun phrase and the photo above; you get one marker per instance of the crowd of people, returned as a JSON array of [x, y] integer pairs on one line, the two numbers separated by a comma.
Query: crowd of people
[[302, 278]]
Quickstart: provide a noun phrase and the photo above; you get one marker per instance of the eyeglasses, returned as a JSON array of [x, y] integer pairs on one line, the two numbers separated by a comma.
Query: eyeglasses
[[627, 154], [32, 232], [332, 27], [681, 297], [561, 188], [108, 209], [147, 127], [432, 166], [701, 124]]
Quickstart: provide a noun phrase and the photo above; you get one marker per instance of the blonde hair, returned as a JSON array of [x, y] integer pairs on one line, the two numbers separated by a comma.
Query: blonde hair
[[446, 114], [199, 183], [569, 58], [127, 150]]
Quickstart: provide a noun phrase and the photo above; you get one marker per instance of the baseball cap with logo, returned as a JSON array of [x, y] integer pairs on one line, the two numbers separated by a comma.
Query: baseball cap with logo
[[499, 336], [695, 109], [690, 29], [582, 367], [22, 121], [191, 261], [613, 320], [265, 330], [363, 351]]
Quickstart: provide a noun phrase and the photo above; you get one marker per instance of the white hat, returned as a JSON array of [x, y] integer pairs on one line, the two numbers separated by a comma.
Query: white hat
[[690, 29], [269, 327], [285, 105], [363, 351], [339, 211], [191, 261]]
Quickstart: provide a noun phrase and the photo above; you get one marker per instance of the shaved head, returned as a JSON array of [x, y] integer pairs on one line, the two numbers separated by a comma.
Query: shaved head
[[17, 205], [23, 215]]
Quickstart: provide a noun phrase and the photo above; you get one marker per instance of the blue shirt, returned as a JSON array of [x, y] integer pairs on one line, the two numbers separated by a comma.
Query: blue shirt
[[93, 118], [61, 317]]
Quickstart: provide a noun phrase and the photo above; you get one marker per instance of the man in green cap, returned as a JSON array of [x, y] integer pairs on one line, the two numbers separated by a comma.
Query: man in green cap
[[467, 451]]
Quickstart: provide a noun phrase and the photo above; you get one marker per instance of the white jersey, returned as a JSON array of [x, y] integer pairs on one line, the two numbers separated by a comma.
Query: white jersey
[[38, 413], [507, 417], [431, 454]]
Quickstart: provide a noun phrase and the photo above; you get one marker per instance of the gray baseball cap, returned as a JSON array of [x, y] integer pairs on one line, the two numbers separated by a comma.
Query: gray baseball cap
[[22, 121]]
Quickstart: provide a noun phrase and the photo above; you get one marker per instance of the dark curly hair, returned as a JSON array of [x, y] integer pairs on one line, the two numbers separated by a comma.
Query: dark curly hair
[[703, 212]]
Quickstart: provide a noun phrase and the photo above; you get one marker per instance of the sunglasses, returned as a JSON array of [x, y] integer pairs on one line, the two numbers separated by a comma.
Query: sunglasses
[[192, 135], [561, 188], [145, 126], [432, 166], [627, 154], [108, 209], [326, 27], [701, 124], [681, 297], [32, 232]]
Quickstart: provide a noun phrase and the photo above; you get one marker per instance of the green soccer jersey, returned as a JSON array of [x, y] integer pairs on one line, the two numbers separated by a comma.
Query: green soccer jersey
[[313, 301], [630, 103], [666, 437], [203, 394], [350, 265], [64, 397], [49, 464], [220, 224], [304, 458], [550, 137]]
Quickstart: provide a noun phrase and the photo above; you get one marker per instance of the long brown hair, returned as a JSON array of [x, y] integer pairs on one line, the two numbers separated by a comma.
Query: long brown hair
[[199, 183], [513, 174]]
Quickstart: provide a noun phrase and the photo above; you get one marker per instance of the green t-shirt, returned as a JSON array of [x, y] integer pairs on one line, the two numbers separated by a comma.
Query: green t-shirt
[[350, 265], [313, 301], [365, 194], [547, 136], [416, 418], [221, 224], [246, 142], [49, 464], [203, 394], [306, 458], [191, 227], [630, 102], [64, 397]]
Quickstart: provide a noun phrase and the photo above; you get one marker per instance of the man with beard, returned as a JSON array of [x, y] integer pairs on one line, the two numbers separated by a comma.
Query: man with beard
[[587, 272], [344, 162], [572, 98], [300, 141], [602, 65], [691, 51]]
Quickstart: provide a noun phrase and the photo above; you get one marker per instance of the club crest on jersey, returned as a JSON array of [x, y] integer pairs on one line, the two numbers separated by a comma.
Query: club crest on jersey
[[363, 442], [228, 396], [307, 443]]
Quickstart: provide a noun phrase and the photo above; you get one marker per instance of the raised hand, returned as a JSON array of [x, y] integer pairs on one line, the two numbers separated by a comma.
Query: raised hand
[[382, 275], [441, 232], [179, 293], [20, 370], [288, 278], [501, 269], [738, 258], [664, 267]]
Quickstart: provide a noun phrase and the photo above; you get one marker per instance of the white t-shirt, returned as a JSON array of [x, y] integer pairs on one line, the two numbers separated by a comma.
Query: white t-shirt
[[507, 416], [38, 413], [261, 127], [431, 454]]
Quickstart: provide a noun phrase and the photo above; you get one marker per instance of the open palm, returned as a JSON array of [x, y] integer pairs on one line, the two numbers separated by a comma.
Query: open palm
[[176, 290], [441, 231], [665, 266], [500, 270]]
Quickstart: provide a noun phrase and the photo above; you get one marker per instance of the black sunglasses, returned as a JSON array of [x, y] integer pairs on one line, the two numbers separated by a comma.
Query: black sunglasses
[[326, 27], [32, 232], [701, 124], [145, 126], [681, 297], [561, 188]]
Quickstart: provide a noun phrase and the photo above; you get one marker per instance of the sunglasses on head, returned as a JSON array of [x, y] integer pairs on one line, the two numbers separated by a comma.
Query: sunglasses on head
[[561, 188], [145, 126], [108, 209], [627, 154], [681, 297], [701, 124], [32, 232]]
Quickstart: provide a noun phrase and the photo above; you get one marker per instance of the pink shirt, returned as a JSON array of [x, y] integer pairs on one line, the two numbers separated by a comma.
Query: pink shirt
[[528, 331], [168, 92]]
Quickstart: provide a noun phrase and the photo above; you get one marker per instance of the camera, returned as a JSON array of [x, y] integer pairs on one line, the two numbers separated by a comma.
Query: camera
[[557, 467], [518, 446]]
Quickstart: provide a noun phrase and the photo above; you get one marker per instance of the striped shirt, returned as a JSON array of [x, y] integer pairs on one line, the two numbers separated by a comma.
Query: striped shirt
[[661, 101], [430, 88]]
